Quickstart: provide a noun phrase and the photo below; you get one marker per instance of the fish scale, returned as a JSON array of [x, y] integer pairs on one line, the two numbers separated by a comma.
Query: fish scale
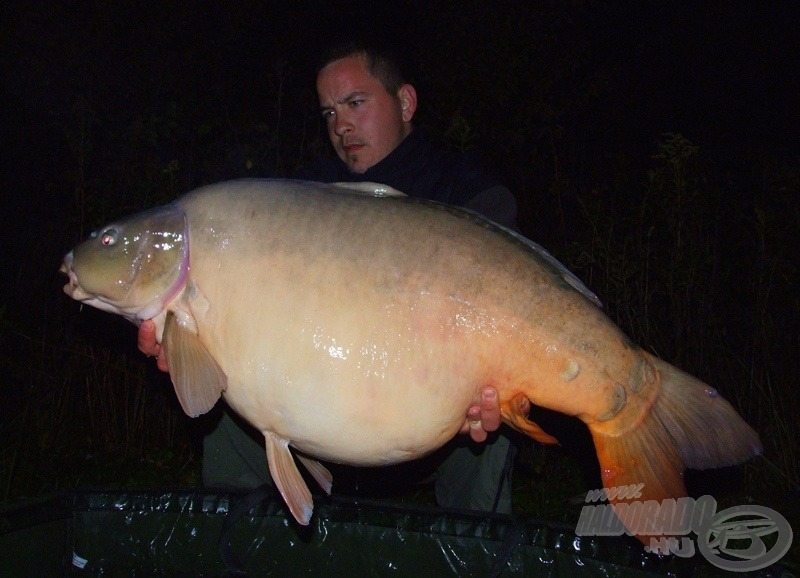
[[357, 325]]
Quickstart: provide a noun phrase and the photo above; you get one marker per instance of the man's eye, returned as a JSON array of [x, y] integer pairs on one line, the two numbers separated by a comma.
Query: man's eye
[[326, 114], [356, 103]]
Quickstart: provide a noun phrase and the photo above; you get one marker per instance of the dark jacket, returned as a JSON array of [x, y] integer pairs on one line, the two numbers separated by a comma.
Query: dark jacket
[[419, 169]]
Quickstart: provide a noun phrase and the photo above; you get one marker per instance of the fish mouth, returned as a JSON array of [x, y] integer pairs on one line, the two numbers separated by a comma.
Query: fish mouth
[[73, 287]]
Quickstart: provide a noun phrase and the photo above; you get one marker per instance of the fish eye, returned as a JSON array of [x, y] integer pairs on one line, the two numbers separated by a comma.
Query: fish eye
[[109, 237]]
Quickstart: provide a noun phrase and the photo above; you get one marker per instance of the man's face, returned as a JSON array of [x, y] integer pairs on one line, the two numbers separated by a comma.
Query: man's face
[[365, 122]]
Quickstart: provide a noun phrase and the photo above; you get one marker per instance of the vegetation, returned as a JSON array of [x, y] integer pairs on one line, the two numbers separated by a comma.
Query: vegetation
[[690, 240]]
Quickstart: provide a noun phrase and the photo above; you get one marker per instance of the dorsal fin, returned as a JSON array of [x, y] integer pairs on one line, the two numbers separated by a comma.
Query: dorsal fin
[[379, 190], [534, 248], [370, 189]]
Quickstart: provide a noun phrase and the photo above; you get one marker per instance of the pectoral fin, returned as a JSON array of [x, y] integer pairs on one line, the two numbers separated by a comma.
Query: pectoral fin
[[198, 379], [288, 479], [515, 413], [320, 472]]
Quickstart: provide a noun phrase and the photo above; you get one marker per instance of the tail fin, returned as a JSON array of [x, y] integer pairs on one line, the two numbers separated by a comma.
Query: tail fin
[[688, 425], [707, 430]]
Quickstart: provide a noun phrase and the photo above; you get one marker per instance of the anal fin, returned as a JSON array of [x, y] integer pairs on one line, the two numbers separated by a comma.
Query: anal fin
[[318, 471], [515, 413], [198, 379], [288, 479]]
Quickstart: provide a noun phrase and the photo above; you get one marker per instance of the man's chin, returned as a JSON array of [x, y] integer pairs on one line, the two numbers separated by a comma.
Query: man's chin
[[356, 166]]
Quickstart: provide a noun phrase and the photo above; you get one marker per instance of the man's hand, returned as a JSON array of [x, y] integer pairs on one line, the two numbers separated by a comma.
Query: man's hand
[[149, 346], [484, 416]]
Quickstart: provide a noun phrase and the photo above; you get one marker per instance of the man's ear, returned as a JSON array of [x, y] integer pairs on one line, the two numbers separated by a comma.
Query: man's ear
[[407, 95]]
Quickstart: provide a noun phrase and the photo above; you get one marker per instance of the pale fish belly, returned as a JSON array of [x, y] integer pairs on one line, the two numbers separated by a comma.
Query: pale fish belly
[[346, 374]]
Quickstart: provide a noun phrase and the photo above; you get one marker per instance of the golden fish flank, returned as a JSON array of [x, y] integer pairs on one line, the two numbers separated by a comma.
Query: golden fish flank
[[389, 337]]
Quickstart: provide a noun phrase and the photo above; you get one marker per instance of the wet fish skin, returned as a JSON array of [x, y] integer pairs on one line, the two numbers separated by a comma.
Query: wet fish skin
[[357, 328]]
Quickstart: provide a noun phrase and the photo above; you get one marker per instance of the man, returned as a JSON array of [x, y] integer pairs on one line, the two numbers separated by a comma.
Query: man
[[368, 108]]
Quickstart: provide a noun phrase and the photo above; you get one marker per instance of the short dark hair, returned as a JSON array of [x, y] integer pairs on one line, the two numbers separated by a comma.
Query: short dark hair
[[383, 64]]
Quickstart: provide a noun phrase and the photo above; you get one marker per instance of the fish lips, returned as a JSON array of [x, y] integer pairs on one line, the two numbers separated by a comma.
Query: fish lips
[[73, 287]]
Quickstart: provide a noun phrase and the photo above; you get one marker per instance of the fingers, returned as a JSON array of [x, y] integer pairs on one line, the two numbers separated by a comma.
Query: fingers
[[490, 409], [484, 417], [146, 338], [161, 360], [475, 425], [525, 406]]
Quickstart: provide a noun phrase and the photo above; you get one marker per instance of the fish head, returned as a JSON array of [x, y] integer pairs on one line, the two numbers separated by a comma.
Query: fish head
[[132, 267]]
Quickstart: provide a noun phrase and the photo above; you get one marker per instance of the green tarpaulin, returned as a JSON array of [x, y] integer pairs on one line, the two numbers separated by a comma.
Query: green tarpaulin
[[117, 533]]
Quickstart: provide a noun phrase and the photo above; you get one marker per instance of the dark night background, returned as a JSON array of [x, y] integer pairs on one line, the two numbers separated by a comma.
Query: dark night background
[[652, 146]]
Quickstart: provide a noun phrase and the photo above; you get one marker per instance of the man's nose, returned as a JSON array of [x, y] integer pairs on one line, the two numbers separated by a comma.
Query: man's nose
[[342, 125]]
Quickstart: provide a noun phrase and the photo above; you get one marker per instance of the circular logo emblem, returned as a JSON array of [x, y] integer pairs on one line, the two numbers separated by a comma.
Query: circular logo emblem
[[734, 538]]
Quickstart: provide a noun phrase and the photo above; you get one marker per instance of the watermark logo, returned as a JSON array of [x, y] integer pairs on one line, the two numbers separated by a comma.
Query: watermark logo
[[744, 526], [734, 539]]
